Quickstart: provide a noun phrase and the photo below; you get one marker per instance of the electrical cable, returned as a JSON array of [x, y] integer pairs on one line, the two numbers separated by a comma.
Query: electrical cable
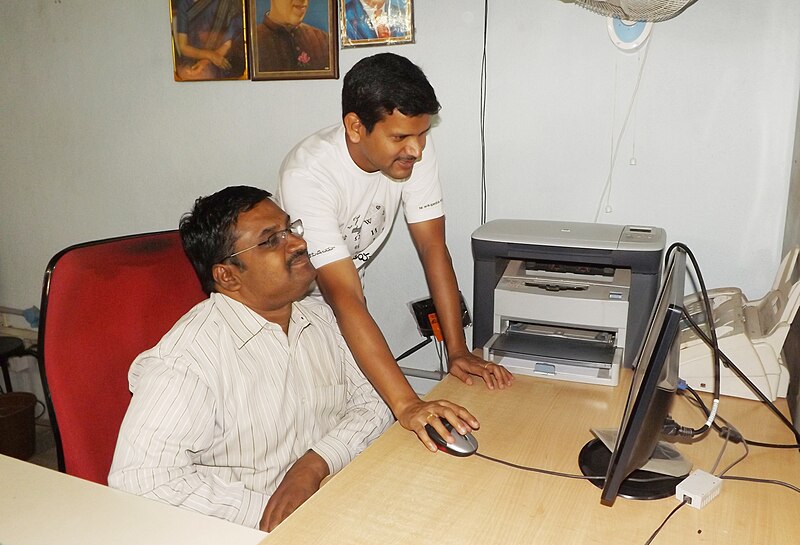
[[539, 470], [698, 401], [483, 109], [657, 530], [722, 473], [413, 349], [738, 372], [721, 452], [657, 478], [713, 341], [440, 351], [790, 486]]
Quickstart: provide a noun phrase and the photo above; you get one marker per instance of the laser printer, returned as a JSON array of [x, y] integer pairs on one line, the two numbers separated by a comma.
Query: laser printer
[[564, 300]]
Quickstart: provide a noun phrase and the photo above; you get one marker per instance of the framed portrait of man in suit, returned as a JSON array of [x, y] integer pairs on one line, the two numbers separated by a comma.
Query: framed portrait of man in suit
[[293, 39], [208, 40], [376, 22]]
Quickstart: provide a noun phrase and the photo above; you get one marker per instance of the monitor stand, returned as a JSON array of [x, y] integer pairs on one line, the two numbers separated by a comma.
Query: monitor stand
[[639, 485]]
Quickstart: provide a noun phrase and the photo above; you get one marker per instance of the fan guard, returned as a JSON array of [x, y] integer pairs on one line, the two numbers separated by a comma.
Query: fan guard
[[637, 10]]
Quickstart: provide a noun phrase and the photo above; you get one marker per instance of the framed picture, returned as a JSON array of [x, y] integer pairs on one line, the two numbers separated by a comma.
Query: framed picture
[[208, 40], [293, 39], [376, 22]]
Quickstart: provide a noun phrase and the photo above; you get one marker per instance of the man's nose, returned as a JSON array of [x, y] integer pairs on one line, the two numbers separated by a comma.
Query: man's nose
[[414, 146], [295, 242]]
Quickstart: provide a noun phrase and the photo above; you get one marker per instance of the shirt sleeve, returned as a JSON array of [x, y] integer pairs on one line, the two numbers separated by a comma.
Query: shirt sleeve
[[169, 421], [302, 194], [366, 414], [422, 193]]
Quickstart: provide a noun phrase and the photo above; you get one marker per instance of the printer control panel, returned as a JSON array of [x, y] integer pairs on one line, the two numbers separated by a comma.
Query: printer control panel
[[637, 236]]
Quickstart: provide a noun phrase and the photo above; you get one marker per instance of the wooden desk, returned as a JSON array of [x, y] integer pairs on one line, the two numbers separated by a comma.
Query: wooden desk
[[39, 506], [398, 493]]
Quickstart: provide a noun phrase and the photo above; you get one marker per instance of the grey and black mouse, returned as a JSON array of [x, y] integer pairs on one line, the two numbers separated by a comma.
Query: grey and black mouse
[[464, 445]]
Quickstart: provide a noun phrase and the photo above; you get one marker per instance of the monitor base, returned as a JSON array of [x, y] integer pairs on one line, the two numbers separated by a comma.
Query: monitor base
[[639, 485]]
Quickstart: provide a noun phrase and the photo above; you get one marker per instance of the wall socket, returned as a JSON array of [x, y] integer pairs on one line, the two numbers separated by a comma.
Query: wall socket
[[425, 314]]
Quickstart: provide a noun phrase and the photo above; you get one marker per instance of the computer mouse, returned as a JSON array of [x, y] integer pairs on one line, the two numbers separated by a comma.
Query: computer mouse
[[463, 445]]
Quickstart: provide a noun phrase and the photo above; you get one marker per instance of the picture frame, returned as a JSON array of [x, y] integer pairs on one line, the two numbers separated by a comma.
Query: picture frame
[[288, 41], [208, 40], [376, 22]]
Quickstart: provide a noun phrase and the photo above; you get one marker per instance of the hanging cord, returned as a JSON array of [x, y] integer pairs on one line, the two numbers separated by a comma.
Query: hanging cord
[[483, 110], [606, 194]]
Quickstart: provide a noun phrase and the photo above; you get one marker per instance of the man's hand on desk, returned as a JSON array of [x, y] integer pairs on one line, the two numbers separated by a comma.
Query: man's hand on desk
[[299, 484], [416, 414], [465, 364]]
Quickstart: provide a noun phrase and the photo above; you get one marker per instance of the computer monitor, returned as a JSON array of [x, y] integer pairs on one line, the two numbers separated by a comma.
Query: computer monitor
[[650, 397]]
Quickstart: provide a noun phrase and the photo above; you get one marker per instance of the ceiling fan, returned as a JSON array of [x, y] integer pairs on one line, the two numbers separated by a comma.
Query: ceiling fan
[[636, 10]]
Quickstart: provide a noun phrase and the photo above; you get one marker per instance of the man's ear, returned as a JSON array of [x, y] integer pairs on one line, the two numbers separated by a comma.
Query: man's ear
[[353, 127], [226, 277]]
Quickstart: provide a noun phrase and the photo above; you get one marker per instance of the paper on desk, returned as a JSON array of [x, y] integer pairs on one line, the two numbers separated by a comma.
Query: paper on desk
[[666, 459]]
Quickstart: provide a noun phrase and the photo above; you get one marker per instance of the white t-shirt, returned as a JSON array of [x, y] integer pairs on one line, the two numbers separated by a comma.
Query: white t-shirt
[[346, 212]]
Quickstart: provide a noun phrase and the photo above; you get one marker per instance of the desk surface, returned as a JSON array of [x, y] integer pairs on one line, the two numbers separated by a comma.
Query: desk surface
[[40, 506], [397, 492]]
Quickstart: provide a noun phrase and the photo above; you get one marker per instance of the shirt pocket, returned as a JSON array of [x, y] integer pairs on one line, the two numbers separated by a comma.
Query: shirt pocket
[[330, 402]]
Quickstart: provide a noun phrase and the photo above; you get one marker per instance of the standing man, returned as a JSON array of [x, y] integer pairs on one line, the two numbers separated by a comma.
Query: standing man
[[252, 398], [347, 182]]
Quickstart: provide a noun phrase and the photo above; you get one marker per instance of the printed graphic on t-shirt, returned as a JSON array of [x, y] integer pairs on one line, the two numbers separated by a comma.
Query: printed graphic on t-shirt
[[360, 232]]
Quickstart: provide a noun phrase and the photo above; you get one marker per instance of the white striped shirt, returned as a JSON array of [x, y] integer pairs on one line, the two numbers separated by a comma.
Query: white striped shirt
[[226, 402]]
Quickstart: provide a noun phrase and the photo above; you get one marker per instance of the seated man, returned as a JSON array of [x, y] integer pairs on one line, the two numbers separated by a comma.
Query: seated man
[[252, 398]]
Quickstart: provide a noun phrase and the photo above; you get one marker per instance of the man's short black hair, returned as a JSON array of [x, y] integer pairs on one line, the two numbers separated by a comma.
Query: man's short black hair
[[208, 232], [378, 85]]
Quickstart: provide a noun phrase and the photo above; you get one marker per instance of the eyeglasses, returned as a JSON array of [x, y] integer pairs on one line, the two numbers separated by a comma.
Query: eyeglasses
[[276, 238]]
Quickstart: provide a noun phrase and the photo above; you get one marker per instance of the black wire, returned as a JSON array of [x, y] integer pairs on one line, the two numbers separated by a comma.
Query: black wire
[[707, 303], [656, 479], [483, 110], [413, 349], [704, 407], [738, 372], [538, 470], [654, 534]]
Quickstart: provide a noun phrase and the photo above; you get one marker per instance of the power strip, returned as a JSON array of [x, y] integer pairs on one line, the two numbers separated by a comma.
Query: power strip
[[698, 489]]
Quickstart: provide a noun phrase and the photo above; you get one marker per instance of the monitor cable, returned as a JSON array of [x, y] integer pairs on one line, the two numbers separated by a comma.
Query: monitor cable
[[739, 373], [727, 430], [671, 428]]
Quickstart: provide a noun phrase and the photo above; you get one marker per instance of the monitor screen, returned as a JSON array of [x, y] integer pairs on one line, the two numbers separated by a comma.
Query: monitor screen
[[650, 397]]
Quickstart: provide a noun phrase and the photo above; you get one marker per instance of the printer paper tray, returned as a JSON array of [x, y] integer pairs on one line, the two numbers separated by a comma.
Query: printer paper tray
[[554, 349], [555, 358]]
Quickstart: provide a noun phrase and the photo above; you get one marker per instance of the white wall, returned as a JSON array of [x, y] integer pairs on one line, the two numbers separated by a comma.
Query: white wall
[[98, 140]]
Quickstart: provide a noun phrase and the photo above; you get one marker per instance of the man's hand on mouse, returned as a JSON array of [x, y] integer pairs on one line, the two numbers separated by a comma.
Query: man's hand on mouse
[[417, 414], [463, 365]]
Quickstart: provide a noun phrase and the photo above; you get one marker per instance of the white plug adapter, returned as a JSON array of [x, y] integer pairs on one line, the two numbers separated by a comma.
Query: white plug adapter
[[699, 488]]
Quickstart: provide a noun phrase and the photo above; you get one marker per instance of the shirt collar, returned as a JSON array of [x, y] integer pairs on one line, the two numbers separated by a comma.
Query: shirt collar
[[272, 25], [247, 323]]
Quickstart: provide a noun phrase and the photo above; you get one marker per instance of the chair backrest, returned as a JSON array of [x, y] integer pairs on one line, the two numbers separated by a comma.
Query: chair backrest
[[103, 303]]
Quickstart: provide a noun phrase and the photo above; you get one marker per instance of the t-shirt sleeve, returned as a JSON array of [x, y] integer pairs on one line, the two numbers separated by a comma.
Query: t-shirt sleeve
[[303, 196], [422, 193]]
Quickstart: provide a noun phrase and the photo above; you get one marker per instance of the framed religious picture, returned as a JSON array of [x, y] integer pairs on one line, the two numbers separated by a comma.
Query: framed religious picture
[[376, 22], [208, 40], [293, 39]]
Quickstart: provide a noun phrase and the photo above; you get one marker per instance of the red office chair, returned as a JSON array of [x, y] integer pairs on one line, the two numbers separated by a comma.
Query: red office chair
[[103, 303]]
